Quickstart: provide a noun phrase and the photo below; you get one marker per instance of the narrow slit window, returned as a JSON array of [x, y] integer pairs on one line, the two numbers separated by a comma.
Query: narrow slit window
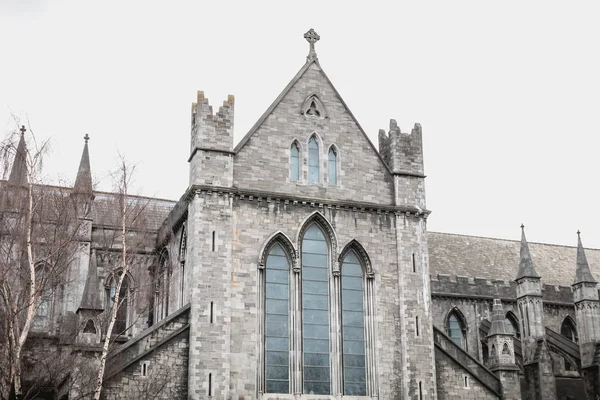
[[211, 311], [214, 233], [295, 162], [414, 263], [466, 381], [313, 160], [210, 384], [332, 167], [420, 390], [417, 324]]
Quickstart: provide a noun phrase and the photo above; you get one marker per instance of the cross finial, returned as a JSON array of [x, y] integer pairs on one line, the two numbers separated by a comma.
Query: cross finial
[[578, 233], [522, 226], [312, 37], [86, 138], [22, 129]]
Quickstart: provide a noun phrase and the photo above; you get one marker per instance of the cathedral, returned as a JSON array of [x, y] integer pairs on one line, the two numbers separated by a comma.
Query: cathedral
[[298, 265]]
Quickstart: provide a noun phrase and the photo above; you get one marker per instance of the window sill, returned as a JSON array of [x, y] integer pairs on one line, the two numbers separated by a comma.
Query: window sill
[[275, 396]]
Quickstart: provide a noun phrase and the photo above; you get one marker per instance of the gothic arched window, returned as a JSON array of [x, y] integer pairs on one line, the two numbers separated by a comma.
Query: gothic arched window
[[295, 162], [162, 285], [511, 325], [277, 315], [44, 288], [124, 304], [455, 328], [315, 311], [332, 163], [569, 330], [313, 160], [182, 256], [353, 326]]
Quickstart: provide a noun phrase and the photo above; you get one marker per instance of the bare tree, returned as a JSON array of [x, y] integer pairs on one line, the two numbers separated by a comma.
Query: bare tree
[[39, 225]]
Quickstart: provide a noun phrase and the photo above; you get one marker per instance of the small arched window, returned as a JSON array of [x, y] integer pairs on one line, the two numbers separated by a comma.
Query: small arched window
[[124, 302], [511, 325], [456, 329], [569, 330], [505, 349], [332, 162], [295, 162], [313, 160], [45, 290]]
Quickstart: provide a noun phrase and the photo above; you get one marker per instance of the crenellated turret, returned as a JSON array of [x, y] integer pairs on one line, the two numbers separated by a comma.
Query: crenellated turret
[[403, 154], [211, 150]]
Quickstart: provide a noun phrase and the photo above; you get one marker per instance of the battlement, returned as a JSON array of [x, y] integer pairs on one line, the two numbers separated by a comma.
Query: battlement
[[402, 152], [212, 131], [462, 286]]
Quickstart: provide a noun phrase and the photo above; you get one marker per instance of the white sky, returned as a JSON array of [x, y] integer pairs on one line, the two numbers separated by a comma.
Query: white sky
[[507, 92]]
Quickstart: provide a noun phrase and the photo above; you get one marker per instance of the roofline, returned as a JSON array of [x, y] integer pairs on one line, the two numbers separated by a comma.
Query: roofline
[[510, 240]]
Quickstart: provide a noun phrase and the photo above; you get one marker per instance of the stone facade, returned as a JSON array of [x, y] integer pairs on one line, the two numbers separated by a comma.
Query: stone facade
[[196, 319]]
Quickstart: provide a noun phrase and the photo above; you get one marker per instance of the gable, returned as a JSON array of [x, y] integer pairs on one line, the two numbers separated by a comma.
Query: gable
[[310, 106]]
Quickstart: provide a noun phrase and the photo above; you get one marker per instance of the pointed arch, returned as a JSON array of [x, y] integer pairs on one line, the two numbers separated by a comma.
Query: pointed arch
[[506, 349], [183, 242], [333, 165], [295, 160], [45, 289], [125, 306], [568, 329], [456, 327], [285, 242], [313, 107], [325, 225], [314, 146], [90, 327], [360, 251], [511, 324]]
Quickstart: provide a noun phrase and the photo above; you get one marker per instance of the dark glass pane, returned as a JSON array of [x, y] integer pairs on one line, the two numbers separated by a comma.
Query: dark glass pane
[[277, 306], [278, 373], [316, 374], [276, 327], [351, 282], [354, 375], [332, 167], [316, 345], [277, 262], [312, 359], [314, 260], [278, 358], [353, 333], [314, 233], [353, 318], [316, 331], [352, 360], [352, 270], [313, 160], [314, 287], [277, 291], [355, 389], [294, 163], [278, 276], [314, 246], [316, 388], [352, 301], [278, 386], [315, 302], [275, 343], [317, 274], [351, 347]]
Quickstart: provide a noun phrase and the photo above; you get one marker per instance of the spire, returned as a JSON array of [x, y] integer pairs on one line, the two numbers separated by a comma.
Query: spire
[[498, 327], [83, 182], [311, 37], [582, 273], [18, 173], [90, 299], [526, 269]]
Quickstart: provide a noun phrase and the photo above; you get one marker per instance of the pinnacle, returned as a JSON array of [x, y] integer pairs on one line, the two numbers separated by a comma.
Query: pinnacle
[[526, 268], [83, 182], [582, 272]]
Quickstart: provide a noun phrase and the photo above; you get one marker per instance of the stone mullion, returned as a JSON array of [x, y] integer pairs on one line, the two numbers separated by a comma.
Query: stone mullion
[[337, 384], [296, 334], [370, 339]]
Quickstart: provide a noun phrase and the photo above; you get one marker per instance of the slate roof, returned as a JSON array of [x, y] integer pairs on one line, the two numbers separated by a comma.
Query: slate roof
[[490, 258]]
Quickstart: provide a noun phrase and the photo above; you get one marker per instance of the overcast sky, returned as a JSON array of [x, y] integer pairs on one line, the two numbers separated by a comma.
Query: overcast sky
[[507, 92]]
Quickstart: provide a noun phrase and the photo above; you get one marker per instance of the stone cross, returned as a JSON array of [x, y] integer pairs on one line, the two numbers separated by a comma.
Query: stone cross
[[86, 138], [23, 130], [312, 37]]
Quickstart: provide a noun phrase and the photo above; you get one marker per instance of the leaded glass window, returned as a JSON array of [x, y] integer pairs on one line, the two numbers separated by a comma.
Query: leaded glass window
[[295, 162], [568, 330], [313, 160], [332, 166], [455, 330], [315, 311], [353, 327], [277, 293]]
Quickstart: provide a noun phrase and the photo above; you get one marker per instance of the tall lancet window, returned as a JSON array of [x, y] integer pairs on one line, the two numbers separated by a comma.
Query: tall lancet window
[[353, 327], [332, 166], [313, 160], [315, 311], [277, 344], [295, 162]]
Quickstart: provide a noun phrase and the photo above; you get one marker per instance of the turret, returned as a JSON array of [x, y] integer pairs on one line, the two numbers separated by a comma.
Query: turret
[[90, 306], [82, 189], [587, 306], [502, 355], [211, 150], [18, 173], [403, 154]]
